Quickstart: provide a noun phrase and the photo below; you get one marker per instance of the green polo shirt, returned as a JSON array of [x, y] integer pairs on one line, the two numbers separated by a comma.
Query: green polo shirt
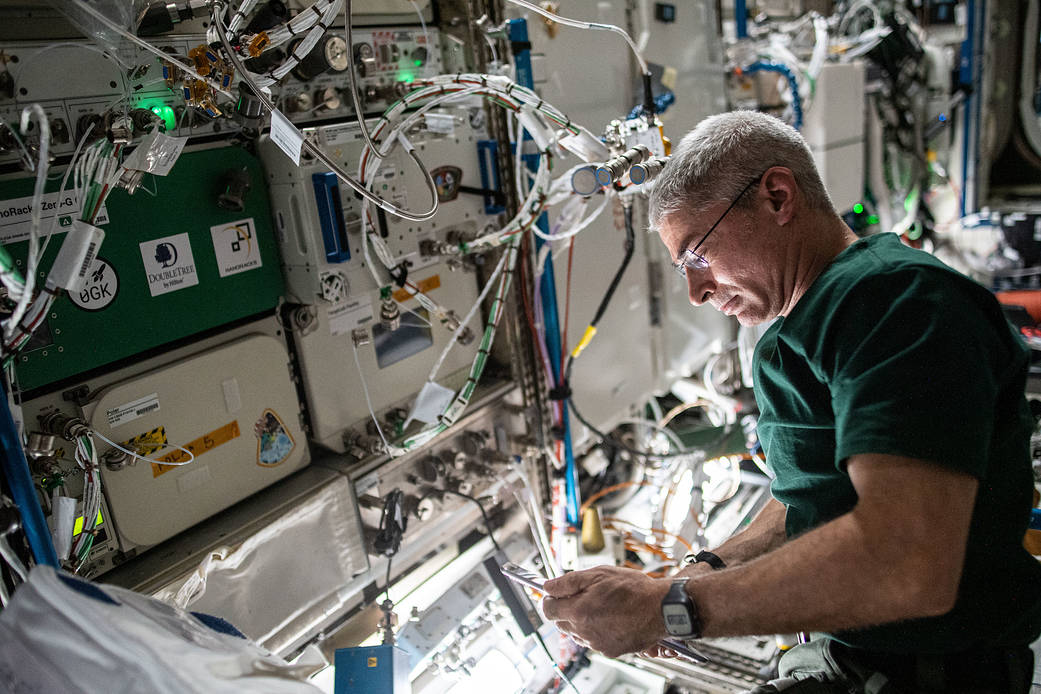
[[891, 351]]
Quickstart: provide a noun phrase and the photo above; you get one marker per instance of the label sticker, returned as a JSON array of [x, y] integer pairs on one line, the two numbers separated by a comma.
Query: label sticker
[[124, 414], [99, 289], [344, 318], [147, 443], [374, 662], [442, 123], [16, 216], [649, 137], [274, 442], [286, 136], [236, 248], [157, 154], [169, 264], [203, 444]]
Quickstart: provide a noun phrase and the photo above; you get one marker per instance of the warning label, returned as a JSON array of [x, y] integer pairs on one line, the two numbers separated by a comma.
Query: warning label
[[147, 443]]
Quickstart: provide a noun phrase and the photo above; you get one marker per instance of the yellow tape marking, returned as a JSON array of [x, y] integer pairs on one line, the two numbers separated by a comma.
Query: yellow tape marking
[[425, 286], [199, 446]]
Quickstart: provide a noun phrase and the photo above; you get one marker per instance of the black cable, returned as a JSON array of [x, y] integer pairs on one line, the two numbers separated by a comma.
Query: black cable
[[615, 443], [648, 96], [484, 514], [629, 246], [386, 586], [393, 523]]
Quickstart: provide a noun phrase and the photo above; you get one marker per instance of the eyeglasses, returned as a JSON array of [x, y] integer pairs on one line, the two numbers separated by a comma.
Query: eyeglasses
[[690, 258]]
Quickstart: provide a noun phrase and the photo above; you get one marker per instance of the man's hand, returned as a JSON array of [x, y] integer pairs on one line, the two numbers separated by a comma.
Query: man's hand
[[694, 570], [610, 609]]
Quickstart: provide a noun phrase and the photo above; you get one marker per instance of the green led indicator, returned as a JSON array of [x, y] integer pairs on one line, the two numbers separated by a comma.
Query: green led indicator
[[418, 63], [858, 208], [406, 77], [168, 116], [872, 219]]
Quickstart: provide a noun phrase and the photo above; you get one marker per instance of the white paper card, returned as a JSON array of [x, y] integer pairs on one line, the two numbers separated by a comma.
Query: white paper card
[[286, 136], [443, 123], [156, 154], [431, 402]]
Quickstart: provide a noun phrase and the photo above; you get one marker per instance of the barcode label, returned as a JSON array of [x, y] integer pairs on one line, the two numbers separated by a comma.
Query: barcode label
[[128, 412], [88, 260]]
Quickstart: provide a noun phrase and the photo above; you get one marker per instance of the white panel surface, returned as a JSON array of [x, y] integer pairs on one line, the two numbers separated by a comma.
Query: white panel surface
[[236, 453]]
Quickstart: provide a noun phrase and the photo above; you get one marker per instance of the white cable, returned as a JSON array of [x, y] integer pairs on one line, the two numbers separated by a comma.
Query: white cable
[[581, 225], [12, 559], [32, 258], [578, 24], [368, 400], [85, 6], [61, 187], [302, 49], [856, 7], [469, 317], [669, 434], [423, 23], [137, 456], [820, 46], [240, 15], [317, 152]]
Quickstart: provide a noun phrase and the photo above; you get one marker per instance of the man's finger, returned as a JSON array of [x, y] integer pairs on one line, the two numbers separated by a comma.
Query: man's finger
[[552, 609], [569, 584]]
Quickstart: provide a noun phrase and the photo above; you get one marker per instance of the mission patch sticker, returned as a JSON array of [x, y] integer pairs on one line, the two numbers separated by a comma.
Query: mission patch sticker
[[274, 442], [100, 287]]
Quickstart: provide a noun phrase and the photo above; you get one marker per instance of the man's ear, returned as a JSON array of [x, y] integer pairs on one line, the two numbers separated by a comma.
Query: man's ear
[[780, 192]]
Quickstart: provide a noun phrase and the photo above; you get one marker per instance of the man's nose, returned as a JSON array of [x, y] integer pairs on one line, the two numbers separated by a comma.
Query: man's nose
[[700, 285]]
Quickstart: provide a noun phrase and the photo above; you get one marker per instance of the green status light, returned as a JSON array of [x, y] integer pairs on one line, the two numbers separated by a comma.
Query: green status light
[[168, 116], [873, 219], [406, 77], [418, 63], [858, 208]]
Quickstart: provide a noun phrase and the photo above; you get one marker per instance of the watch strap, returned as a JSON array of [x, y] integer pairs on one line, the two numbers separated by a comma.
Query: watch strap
[[709, 558]]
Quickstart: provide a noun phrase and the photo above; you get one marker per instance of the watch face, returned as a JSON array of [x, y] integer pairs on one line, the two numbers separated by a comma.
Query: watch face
[[677, 620]]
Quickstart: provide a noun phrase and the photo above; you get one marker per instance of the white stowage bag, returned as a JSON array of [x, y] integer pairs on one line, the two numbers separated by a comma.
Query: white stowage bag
[[63, 634]]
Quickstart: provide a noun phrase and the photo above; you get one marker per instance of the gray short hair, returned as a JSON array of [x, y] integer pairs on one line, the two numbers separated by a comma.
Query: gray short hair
[[715, 160]]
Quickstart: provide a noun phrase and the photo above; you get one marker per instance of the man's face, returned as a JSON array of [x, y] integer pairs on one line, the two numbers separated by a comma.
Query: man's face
[[745, 273]]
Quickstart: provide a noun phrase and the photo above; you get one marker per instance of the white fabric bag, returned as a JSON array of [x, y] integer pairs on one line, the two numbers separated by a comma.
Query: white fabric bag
[[63, 634]]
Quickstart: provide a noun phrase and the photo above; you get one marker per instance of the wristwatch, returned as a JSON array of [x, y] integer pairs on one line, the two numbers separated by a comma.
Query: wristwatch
[[704, 556], [679, 611]]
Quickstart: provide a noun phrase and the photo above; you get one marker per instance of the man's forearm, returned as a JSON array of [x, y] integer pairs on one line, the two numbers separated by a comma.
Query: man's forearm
[[764, 534]]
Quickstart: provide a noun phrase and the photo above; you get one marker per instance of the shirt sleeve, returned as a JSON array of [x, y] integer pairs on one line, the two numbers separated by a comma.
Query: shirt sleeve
[[914, 359]]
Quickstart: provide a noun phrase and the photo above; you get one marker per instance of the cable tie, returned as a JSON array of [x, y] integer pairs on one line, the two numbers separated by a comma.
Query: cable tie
[[399, 273], [561, 392]]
